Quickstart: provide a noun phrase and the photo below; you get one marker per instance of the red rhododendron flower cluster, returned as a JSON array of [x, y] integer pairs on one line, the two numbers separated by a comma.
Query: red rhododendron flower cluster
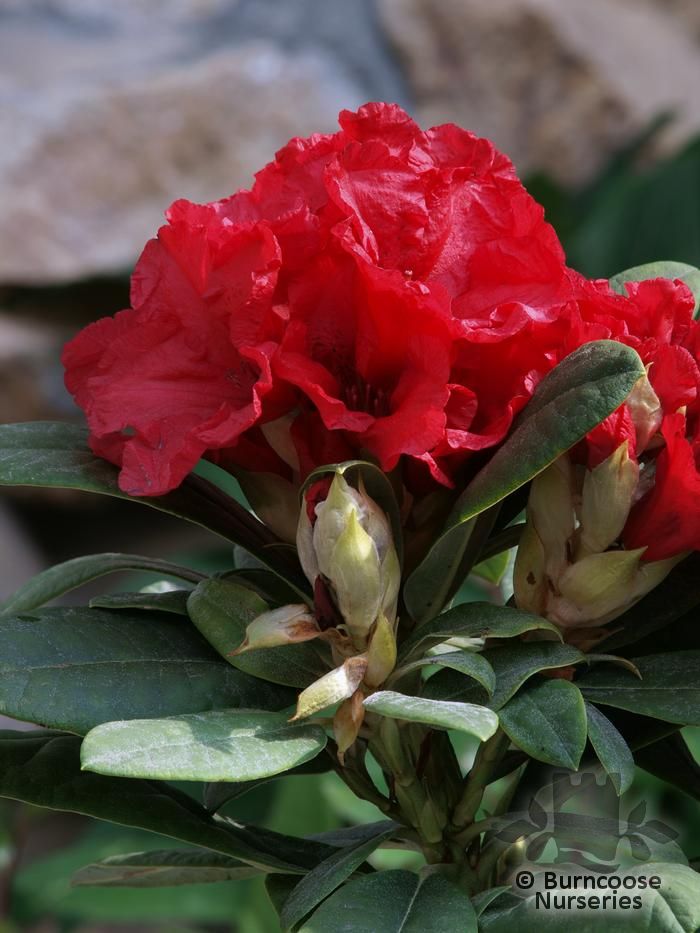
[[381, 292], [370, 290], [656, 319]]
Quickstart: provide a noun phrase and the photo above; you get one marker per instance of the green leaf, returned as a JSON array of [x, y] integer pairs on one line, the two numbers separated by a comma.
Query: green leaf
[[512, 664], [569, 402], [674, 908], [64, 577], [473, 620], [395, 902], [221, 745], [43, 769], [55, 454], [482, 900], [172, 601], [164, 868], [669, 688], [75, 668], [612, 750], [222, 610], [377, 484], [329, 875], [465, 717], [659, 270], [671, 760], [466, 662], [218, 794], [493, 568], [548, 721]]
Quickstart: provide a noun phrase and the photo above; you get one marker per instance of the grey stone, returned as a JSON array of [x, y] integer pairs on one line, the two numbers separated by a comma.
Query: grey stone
[[557, 84], [107, 116]]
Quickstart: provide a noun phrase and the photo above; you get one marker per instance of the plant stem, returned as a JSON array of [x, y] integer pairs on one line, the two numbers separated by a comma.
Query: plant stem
[[487, 757]]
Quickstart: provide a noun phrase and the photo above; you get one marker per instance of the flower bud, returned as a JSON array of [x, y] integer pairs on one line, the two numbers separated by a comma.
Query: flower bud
[[346, 538], [335, 686], [601, 587], [579, 575], [381, 654], [284, 626], [606, 501]]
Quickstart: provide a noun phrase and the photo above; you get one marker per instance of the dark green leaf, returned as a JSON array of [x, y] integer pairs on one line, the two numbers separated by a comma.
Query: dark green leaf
[[329, 875], [473, 620], [671, 760], [222, 610], [272, 588], [612, 750], [569, 402], [64, 577], [669, 688], [512, 665], [395, 902], [219, 745], [217, 795], [165, 868], [481, 901], [466, 662], [659, 270], [674, 908], [464, 717], [76, 668], [55, 454], [173, 601], [43, 769], [548, 721]]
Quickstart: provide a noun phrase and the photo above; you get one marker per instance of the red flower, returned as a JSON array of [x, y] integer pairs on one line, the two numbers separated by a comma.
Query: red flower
[[178, 375], [667, 520], [369, 287]]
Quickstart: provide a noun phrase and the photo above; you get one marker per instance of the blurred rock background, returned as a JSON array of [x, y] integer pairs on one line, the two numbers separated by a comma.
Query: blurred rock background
[[110, 111]]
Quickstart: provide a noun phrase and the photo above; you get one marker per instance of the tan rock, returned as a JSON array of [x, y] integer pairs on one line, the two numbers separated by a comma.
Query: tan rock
[[557, 84], [87, 169]]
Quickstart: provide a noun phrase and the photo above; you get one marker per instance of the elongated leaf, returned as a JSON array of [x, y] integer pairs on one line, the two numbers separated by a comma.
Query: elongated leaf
[[55, 454], [513, 664], [659, 270], [76, 668], [669, 688], [612, 750], [43, 769], [163, 868], [329, 875], [235, 745], [466, 662], [377, 484], [465, 717], [548, 721], [222, 610], [172, 601], [395, 902], [569, 402], [64, 577], [482, 900], [671, 760], [218, 794], [473, 620], [674, 908]]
